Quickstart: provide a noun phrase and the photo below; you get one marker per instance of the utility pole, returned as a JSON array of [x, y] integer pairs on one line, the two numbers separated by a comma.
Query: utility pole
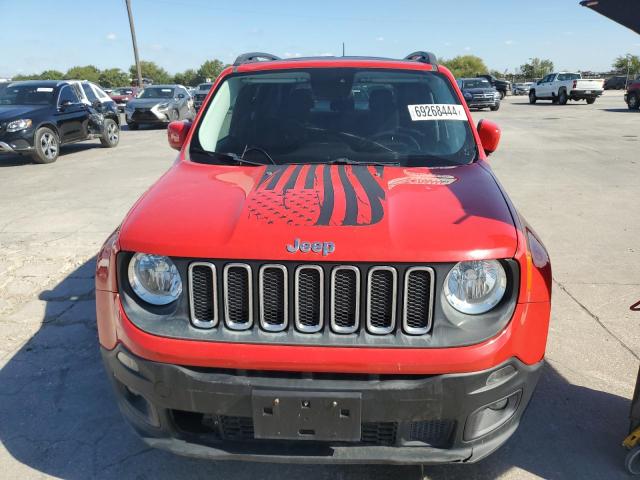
[[343, 49], [626, 83], [135, 43]]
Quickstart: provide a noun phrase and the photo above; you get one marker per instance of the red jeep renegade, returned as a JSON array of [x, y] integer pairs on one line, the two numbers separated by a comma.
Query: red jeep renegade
[[330, 272]]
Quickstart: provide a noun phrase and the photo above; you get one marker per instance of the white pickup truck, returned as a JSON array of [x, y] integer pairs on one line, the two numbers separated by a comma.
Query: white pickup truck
[[562, 87]]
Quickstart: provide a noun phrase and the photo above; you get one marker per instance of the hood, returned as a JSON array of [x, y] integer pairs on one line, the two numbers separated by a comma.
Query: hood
[[117, 98], [147, 102], [368, 213], [479, 90], [15, 112]]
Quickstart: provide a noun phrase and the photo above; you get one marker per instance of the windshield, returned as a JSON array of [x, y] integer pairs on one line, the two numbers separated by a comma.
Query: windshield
[[157, 92], [477, 83], [328, 115], [15, 94], [204, 86]]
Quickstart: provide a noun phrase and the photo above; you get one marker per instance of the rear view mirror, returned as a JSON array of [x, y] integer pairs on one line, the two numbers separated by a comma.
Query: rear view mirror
[[177, 132], [489, 135]]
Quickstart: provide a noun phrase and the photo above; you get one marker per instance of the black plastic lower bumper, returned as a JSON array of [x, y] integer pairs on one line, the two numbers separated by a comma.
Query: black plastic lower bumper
[[217, 414], [17, 142]]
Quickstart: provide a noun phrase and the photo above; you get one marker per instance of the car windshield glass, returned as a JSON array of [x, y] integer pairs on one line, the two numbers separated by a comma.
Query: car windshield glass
[[204, 86], [157, 92], [477, 83], [15, 94], [335, 115]]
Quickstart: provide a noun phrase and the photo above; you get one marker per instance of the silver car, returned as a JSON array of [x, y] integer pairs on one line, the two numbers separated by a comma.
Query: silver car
[[159, 104]]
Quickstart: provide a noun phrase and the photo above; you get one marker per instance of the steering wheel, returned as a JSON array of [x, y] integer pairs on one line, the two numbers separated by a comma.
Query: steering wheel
[[350, 139], [398, 134]]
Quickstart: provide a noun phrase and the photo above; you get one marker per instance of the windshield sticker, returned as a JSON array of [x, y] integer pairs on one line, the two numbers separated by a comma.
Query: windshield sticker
[[166, 90], [44, 89], [437, 112]]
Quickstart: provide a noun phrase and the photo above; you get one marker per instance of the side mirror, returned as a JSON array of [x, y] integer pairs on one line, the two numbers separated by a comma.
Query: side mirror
[[64, 105], [181, 95], [177, 132], [489, 135]]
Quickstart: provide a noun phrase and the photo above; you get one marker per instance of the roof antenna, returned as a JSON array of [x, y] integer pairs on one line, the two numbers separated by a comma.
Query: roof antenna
[[343, 49]]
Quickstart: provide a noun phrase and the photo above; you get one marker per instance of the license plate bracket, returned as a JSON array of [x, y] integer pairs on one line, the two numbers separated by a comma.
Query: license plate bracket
[[301, 415]]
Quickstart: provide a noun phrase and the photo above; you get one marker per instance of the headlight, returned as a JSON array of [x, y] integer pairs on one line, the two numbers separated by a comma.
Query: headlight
[[476, 286], [154, 278], [468, 96], [18, 125], [163, 106]]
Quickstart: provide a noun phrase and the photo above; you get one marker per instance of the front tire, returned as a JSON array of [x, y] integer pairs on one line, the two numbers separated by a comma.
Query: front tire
[[633, 102], [46, 146], [562, 97], [110, 134], [532, 97], [502, 95], [591, 101], [495, 108]]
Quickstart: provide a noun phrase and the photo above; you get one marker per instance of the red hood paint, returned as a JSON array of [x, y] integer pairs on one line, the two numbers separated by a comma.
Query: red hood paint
[[373, 214]]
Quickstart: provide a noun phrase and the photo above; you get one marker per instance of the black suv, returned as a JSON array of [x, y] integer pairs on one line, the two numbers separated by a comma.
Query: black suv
[[38, 116]]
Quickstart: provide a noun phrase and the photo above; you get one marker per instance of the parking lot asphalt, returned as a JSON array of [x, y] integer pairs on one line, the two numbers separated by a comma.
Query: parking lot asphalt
[[573, 171]]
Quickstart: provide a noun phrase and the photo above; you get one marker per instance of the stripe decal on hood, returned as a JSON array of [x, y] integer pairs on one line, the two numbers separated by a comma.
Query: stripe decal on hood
[[322, 195]]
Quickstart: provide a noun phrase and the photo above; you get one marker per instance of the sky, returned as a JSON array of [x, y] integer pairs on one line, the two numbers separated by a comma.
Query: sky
[[178, 34]]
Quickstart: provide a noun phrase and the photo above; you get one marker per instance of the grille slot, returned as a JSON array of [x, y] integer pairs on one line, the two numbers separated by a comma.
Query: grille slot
[[202, 295], [379, 433], [273, 298], [345, 299], [382, 283], [238, 297], [309, 298], [418, 294], [436, 433]]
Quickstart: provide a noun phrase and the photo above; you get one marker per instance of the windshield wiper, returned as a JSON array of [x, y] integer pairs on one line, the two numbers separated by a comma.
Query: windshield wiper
[[348, 161], [226, 156], [252, 148]]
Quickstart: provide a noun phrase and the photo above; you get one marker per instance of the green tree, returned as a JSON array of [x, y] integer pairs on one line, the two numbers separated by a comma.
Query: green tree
[[51, 75], [210, 70], [465, 66], [632, 62], [113, 77], [536, 68], [86, 72], [26, 76], [188, 77], [151, 70]]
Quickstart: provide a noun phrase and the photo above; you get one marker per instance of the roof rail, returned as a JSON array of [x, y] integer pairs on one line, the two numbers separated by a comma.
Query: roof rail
[[254, 57], [422, 57]]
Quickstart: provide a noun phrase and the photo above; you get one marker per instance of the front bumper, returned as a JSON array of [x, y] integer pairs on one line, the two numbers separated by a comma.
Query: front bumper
[[416, 419], [146, 116], [17, 142]]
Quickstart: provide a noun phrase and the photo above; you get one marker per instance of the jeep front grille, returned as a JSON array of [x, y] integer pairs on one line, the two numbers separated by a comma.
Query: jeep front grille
[[343, 299]]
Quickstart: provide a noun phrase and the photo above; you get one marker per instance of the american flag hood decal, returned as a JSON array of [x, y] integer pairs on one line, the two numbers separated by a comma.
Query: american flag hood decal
[[322, 195]]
